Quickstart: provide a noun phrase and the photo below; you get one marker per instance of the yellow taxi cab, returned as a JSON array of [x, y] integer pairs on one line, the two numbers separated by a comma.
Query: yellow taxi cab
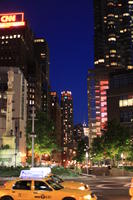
[[25, 188], [64, 183], [131, 189], [69, 184]]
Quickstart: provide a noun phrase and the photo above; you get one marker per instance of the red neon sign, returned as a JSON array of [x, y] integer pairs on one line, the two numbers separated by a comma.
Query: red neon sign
[[11, 19]]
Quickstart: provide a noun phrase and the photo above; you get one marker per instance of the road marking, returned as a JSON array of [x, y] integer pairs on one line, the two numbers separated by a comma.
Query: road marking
[[114, 186], [102, 186], [127, 185]]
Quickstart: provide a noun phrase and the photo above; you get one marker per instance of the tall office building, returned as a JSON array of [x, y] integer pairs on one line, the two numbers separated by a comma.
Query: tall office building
[[42, 55], [55, 115], [19, 48], [67, 124], [16, 49], [113, 50], [113, 26]]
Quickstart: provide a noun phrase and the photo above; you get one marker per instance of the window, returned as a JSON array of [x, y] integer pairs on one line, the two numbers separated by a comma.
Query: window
[[22, 185], [56, 179], [40, 185], [54, 185]]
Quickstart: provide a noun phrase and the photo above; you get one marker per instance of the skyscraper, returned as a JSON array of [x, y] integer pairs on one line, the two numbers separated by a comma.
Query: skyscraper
[[20, 51], [113, 50], [67, 124], [19, 48], [113, 33], [42, 56]]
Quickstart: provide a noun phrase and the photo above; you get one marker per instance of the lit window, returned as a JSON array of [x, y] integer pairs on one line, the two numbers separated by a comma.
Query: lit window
[[112, 51], [38, 40], [111, 39], [130, 67], [96, 62], [130, 2], [113, 64], [125, 14], [3, 111], [101, 60], [112, 55], [4, 96]]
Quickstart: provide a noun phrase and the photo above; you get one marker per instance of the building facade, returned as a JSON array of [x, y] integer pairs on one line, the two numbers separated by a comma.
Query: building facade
[[113, 50], [67, 124], [55, 116], [120, 97], [19, 48], [13, 116], [41, 51]]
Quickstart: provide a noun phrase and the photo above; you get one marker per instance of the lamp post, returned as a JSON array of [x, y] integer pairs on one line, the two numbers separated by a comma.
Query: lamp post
[[122, 156], [33, 133]]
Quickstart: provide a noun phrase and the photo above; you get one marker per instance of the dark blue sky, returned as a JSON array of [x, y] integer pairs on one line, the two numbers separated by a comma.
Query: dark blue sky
[[67, 26]]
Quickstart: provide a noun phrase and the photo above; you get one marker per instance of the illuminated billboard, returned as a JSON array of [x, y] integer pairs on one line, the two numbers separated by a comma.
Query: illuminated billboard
[[11, 20]]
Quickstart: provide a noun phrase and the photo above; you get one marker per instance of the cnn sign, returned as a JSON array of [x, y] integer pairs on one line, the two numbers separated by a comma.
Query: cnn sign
[[11, 19], [8, 18]]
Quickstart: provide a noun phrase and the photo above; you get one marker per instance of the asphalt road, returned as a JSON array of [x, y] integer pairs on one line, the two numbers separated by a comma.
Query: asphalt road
[[109, 188], [105, 187]]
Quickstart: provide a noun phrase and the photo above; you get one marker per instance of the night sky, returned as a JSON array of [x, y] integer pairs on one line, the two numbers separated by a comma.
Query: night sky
[[67, 25]]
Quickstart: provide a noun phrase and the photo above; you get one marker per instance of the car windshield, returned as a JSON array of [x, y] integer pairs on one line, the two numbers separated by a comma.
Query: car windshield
[[54, 185], [56, 179]]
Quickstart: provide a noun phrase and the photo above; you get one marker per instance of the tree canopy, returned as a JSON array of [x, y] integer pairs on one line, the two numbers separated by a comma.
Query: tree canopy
[[45, 141], [114, 141]]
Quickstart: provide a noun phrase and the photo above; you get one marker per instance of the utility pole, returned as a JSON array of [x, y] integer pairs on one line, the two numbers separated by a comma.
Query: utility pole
[[33, 133]]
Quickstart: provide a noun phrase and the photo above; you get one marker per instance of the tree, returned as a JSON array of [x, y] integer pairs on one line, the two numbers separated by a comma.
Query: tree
[[114, 141], [80, 157], [45, 141], [97, 149]]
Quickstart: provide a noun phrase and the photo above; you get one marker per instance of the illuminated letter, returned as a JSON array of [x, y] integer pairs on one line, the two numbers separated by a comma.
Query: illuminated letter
[[3, 19], [11, 18]]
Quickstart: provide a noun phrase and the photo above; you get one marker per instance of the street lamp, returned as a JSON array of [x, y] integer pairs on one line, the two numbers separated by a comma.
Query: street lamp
[[33, 134], [122, 156]]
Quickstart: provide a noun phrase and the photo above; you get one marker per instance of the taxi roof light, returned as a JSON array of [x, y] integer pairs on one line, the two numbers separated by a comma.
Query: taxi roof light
[[35, 172]]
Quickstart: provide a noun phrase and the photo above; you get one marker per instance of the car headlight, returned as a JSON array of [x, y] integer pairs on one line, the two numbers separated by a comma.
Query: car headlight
[[81, 188], [87, 197]]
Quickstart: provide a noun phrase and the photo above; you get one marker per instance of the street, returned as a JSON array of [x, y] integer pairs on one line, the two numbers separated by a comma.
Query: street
[[105, 187], [109, 188]]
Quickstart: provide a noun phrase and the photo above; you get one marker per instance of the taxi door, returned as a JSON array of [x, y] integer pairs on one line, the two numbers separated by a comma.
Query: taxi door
[[22, 190], [131, 189], [42, 191]]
